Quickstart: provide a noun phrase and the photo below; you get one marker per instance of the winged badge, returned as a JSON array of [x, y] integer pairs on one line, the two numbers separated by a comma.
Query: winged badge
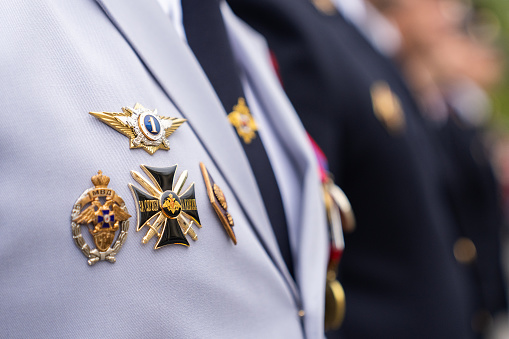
[[144, 127]]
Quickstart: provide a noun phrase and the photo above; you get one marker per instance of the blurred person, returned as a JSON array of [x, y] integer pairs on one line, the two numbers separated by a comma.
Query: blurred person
[[399, 272], [436, 54], [449, 73]]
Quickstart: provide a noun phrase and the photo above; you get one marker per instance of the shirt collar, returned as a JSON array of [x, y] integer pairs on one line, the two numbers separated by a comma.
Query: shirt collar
[[173, 9], [352, 10]]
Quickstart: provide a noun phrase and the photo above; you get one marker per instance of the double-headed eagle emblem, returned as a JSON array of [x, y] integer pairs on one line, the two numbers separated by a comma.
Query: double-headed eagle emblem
[[144, 127], [387, 107], [167, 210], [243, 121], [104, 213]]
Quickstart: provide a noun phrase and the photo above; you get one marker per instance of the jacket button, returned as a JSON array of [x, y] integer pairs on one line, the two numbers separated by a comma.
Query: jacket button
[[464, 250]]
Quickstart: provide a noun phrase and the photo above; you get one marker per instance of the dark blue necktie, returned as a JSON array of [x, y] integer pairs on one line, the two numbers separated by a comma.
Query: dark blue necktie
[[207, 37]]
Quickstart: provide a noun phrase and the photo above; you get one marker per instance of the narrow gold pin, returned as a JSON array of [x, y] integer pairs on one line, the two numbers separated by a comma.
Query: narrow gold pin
[[218, 201]]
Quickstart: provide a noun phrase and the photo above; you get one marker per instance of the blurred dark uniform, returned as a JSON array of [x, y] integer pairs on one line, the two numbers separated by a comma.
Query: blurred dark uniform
[[475, 198], [399, 271]]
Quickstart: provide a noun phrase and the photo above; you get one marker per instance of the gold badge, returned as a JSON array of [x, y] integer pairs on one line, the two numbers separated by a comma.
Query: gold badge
[[144, 127], [335, 305], [165, 210], [387, 107], [242, 120], [218, 201], [103, 212], [340, 217], [325, 6]]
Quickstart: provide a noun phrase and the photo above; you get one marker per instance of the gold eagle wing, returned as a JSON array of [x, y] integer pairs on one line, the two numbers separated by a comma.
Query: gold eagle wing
[[120, 214], [117, 121], [86, 216], [175, 123]]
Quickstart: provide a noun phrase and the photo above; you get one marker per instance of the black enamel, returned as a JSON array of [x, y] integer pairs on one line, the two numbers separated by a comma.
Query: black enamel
[[143, 215], [172, 234], [163, 176], [189, 194]]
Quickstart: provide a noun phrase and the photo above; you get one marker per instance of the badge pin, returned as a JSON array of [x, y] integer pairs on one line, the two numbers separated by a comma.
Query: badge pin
[[387, 107], [103, 212], [243, 121], [340, 217], [168, 212], [325, 6], [218, 201], [144, 127]]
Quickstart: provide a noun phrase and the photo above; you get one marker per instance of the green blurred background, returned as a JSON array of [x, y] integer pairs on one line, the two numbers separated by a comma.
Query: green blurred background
[[493, 22]]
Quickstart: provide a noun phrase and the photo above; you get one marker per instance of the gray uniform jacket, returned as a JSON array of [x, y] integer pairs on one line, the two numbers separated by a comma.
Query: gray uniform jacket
[[59, 60]]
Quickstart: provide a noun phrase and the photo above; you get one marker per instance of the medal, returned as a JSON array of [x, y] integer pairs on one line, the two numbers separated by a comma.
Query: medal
[[167, 210], [243, 121], [335, 305], [104, 213], [339, 217], [387, 107], [144, 127]]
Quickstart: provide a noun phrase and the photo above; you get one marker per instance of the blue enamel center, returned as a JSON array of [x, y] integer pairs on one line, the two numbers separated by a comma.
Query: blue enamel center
[[106, 218], [152, 124]]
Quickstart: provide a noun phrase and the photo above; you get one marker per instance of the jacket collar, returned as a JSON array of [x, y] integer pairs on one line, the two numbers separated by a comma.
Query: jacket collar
[[174, 67], [308, 237]]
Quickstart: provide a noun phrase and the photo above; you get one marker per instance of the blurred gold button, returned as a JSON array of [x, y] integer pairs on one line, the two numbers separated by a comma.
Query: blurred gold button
[[465, 251], [302, 313]]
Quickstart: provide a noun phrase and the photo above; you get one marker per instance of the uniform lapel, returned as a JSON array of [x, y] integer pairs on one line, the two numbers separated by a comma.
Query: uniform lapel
[[173, 66], [309, 236]]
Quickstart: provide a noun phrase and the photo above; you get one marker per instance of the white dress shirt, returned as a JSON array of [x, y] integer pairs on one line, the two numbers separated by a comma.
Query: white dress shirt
[[379, 31]]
